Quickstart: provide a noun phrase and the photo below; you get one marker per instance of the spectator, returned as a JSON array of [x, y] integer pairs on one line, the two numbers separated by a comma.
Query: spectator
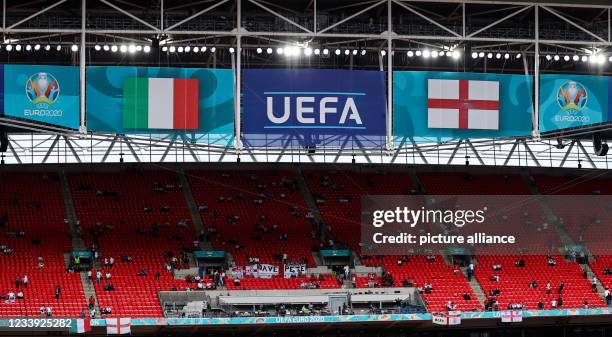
[[553, 303], [533, 284], [548, 288], [111, 261], [98, 276], [608, 296], [540, 305], [41, 262], [586, 303], [89, 276], [92, 313], [42, 311], [25, 280], [92, 302], [594, 284], [49, 312], [497, 267], [107, 275], [470, 271], [559, 301], [58, 293], [561, 286], [17, 281], [20, 295]]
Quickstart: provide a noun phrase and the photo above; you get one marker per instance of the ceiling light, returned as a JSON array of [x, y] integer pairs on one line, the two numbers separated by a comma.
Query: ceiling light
[[556, 57], [187, 49], [9, 47], [481, 54], [123, 48], [37, 47], [213, 49], [410, 53], [259, 50], [498, 56], [576, 58], [132, 49], [456, 54], [308, 51], [474, 55], [180, 49], [165, 48], [418, 53], [74, 47], [325, 51], [146, 49], [18, 47], [28, 47], [172, 49], [106, 47], [363, 52], [97, 47], [139, 48], [566, 58], [47, 47], [232, 50], [269, 50]]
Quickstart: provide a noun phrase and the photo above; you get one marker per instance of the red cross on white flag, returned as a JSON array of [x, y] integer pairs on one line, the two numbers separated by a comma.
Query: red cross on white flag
[[463, 104]]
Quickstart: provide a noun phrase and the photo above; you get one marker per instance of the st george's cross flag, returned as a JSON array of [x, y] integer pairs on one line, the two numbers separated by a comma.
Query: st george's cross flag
[[463, 104], [118, 326], [160, 103]]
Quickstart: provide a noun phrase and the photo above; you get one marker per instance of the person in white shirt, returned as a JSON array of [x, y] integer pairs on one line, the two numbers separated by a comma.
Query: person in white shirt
[[42, 311], [98, 276], [25, 280], [10, 298], [553, 303], [20, 295], [107, 275], [49, 312], [111, 261]]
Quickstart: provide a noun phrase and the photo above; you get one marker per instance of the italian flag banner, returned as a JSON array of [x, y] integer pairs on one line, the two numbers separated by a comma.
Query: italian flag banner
[[160, 103], [80, 326]]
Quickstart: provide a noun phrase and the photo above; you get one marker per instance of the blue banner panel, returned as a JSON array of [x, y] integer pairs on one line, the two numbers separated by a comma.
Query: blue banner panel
[[436, 106], [569, 101], [107, 104], [311, 107], [48, 94]]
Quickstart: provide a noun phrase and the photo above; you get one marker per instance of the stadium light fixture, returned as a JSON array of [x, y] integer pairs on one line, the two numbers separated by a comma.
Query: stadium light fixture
[[259, 50], [518, 56], [123, 48], [566, 58], [584, 58], [410, 53], [165, 48], [9, 47], [363, 52], [172, 49], [434, 54], [355, 51], [132, 49], [601, 59], [106, 47], [576, 58], [280, 51], [59, 47], [449, 53], [418, 53], [455, 54], [180, 49], [47, 47], [548, 57], [28, 47], [426, 53], [474, 55], [308, 51], [556, 57], [97, 47], [196, 49], [317, 51], [18, 47], [507, 56], [187, 49], [203, 49], [213, 49], [490, 55], [232, 50], [325, 51], [138, 48], [498, 56], [146, 49], [610, 58], [337, 52], [347, 52], [74, 47], [481, 54], [36, 47]]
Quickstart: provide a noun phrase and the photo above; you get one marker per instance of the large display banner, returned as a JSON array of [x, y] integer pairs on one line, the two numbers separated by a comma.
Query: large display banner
[[160, 100], [568, 101], [441, 105], [42, 93], [312, 107]]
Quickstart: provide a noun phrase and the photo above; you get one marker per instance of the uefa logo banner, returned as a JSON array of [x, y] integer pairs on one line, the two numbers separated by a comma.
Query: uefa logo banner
[[314, 107], [48, 94], [569, 101]]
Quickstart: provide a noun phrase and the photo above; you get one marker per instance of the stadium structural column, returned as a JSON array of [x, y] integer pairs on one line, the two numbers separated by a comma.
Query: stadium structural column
[[389, 117], [82, 126], [536, 107], [237, 100]]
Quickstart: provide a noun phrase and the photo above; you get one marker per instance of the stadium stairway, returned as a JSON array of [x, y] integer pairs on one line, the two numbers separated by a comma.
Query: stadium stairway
[[77, 238], [476, 288], [196, 219]]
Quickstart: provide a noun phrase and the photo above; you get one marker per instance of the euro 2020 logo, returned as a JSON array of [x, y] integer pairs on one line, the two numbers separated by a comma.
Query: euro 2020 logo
[[572, 97], [42, 90]]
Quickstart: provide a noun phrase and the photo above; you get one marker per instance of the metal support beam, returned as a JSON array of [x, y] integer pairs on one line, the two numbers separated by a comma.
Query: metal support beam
[[237, 97], [35, 14], [560, 16], [82, 54], [196, 15], [284, 18], [424, 17], [351, 16], [134, 17], [389, 126], [500, 21]]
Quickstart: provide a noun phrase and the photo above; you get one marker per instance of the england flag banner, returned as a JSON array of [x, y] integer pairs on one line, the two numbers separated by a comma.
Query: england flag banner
[[433, 106], [512, 316], [118, 326], [463, 104]]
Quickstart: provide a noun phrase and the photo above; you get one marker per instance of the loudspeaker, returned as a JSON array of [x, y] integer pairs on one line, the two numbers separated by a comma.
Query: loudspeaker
[[599, 145], [3, 139]]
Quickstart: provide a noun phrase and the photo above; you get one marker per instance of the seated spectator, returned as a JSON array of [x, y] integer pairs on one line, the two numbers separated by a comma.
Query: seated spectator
[[559, 301], [49, 312], [560, 290], [520, 263], [20, 295], [141, 272], [467, 297], [540, 305], [552, 262], [497, 267], [107, 275], [533, 284]]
